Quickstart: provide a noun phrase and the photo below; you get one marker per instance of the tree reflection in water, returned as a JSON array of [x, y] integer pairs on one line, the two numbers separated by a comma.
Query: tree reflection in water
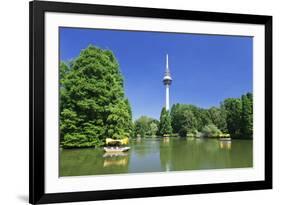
[[115, 159], [196, 154], [159, 155]]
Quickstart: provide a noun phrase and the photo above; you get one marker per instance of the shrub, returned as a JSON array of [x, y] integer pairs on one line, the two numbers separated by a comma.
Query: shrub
[[211, 131]]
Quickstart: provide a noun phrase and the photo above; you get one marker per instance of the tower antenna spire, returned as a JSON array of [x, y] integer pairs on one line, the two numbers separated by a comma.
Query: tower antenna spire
[[167, 72], [167, 62]]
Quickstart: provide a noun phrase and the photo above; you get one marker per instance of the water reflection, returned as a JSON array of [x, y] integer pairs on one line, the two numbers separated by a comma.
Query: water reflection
[[166, 140], [115, 159], [138, 140], [225, 144], [78, 162], [115, 162], [205, 154], [158, 154], [116, 154]]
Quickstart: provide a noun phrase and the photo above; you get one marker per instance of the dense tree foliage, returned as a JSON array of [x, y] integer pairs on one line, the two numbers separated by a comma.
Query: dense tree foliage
[[234, 116], [217, 116], [165, 128], [185, 119], [247, 115], [233, 108], [92, 100], [145, 127]]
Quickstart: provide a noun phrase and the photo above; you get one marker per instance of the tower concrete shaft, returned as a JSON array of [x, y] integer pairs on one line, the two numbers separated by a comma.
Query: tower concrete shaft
[[167, 97], [167, 80]]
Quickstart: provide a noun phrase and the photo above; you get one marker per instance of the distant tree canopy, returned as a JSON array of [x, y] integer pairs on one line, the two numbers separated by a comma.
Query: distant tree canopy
[[92, 100], [234, 116], [145, 127]]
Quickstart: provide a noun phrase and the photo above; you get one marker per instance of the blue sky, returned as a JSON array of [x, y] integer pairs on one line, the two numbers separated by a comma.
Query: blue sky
[[205, 68]]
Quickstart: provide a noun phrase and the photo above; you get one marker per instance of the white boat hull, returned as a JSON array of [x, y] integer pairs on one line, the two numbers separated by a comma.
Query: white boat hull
[[116, 149]]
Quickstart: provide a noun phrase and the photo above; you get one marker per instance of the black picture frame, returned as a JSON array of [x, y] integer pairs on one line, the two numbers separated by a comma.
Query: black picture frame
[[37, 9]]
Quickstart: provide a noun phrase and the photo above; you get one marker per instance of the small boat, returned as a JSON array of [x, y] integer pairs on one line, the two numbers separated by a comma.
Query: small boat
[[116, 149]]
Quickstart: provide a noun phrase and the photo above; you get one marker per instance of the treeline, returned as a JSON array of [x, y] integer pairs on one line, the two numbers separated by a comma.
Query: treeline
[[233, 117], [93, 105]]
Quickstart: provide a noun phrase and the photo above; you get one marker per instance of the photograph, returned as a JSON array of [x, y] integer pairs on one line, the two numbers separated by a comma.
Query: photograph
[[147, 101], [132, 102]]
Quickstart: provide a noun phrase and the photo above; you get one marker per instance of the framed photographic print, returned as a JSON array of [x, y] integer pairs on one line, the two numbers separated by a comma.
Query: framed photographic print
[[140, 102]]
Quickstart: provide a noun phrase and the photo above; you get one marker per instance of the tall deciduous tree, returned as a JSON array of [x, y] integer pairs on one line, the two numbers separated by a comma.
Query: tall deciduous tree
[[92, 101]]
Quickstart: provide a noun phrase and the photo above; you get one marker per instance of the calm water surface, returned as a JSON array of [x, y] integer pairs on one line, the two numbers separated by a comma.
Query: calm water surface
[[157, 155]]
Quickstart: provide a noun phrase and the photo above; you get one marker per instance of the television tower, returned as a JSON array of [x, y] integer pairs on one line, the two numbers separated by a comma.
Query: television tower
[[167, 80]]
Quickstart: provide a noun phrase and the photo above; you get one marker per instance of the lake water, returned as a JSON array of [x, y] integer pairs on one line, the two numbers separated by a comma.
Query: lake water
[[159, 155]]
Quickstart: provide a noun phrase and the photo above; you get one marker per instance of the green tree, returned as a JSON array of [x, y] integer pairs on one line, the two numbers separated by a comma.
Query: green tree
[[64, 70], [247, 116], [210, 130], [129, 125], [217, 117], [145, 126], [165, 128], [142, 126], [175, 114], [153, 129], [188, 123], [201, 116], [234, 116], [187, 119], [233, 109], [92, 100]]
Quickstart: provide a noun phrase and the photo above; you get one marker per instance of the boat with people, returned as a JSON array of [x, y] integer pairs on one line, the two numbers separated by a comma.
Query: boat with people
[[112, 142]]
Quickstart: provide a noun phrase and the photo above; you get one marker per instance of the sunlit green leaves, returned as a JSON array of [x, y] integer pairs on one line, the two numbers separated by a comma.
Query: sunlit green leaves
[[92, 100]]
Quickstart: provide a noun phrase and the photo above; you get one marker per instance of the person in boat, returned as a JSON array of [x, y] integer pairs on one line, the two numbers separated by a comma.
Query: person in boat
[[110, 141]]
